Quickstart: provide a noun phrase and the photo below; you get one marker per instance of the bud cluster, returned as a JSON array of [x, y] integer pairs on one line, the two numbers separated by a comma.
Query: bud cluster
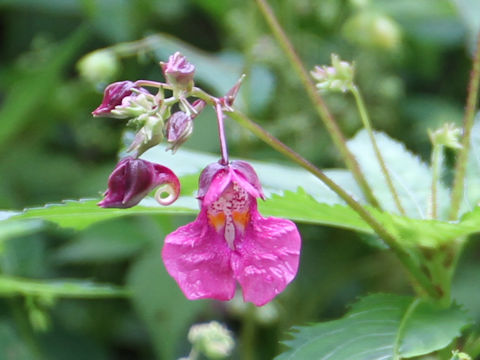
[[151, 114], [338, 77], [448, 135], [155, 118]]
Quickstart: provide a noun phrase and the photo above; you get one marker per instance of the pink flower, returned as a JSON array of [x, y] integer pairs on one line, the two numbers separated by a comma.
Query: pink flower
[[132, 180], [230, 241]]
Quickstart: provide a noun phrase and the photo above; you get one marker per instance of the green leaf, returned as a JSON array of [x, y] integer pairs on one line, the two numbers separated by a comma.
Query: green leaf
[[379, 327], [472, 178], [12, 286], [275, 178], [469, 10], [411, 177], [302, 207], [83, 213], [160, 303], [108, 241], [9, 229]]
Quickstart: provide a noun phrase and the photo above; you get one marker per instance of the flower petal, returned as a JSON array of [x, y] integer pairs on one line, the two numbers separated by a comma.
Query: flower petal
[[199, 260], [266, 261]]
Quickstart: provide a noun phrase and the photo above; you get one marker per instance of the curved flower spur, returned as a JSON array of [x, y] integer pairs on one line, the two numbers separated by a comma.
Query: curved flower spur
[[230, 241]]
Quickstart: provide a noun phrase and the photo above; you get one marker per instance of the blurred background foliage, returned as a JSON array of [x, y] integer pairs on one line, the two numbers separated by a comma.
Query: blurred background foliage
[[412, 64]]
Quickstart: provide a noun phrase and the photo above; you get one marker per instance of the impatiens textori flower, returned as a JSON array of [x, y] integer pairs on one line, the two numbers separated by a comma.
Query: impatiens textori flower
[[132, 180], [230, 241]]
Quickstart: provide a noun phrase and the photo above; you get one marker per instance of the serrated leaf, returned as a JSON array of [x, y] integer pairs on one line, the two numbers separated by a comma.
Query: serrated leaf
[[304, 208], [12, 286], [411, 177], [79, 214], [379, 327]]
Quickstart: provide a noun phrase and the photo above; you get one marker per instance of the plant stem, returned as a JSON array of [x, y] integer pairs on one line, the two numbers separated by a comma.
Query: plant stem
[[461, 165], [402, 255], [320, 106], [366, 123], [221, 133], [248, 333], [437, 159]]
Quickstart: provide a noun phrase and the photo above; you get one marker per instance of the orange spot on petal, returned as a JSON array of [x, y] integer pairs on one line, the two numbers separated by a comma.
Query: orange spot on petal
[[217, 220], [241, 219]]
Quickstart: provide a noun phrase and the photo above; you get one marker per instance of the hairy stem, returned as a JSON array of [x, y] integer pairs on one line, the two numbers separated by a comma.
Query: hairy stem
[[462, 159], [320, 106], [437, 158], [402, 255], [366, 123]]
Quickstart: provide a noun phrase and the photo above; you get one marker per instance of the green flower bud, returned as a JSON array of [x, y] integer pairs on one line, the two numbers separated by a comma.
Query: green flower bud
[[338, 77], [371, 29], [98, 66], [448, 135], [456, 355], [212, 340]]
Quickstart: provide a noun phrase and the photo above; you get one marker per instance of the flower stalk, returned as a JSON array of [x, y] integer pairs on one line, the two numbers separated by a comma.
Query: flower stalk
[[320, 106], [367, 125], [461, 164], [221, 133]]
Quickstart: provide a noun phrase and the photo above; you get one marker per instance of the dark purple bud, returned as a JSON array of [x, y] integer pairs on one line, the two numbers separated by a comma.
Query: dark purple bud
[[113, 96], [132, 180], [178, 72], [178, 130]]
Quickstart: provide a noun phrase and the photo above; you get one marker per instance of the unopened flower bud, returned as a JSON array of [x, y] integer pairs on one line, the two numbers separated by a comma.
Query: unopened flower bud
[[212, 340], [448, 135], [118, 94], [338, 77], [98, 66], [132, 180], [139, 105], [149, 135], [231, 95], [374, 30], [456, 355], [178, 72], [178, 130]]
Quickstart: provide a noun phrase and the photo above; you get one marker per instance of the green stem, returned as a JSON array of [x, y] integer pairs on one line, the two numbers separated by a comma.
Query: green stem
[[366, 123], [248, 333], [327, 118], [437, 159], [402, 255], [461, 165]]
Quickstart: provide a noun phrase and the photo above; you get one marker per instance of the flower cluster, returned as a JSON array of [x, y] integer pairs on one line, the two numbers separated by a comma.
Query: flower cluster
[[230, 241], [338, 77]]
